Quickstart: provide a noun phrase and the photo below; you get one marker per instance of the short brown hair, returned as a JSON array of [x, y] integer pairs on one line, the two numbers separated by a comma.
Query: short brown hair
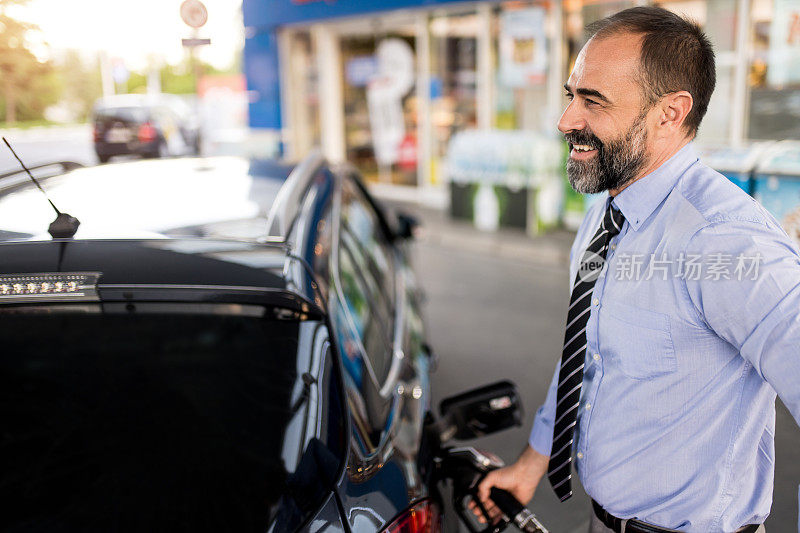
[[676, 56]]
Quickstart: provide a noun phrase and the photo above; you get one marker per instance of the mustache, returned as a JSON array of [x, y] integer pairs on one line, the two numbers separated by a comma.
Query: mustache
[[583, 137]]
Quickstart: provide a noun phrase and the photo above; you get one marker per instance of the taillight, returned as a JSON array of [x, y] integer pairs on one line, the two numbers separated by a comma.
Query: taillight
[[420, 518], [147, 133]]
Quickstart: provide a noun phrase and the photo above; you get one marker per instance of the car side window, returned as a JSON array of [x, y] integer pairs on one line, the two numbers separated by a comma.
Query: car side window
[[366, 270], [361, 222], [369, 324], [358, 334]]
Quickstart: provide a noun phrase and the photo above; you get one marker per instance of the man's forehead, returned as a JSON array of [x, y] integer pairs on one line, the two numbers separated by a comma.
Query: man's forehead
[[609, 62]]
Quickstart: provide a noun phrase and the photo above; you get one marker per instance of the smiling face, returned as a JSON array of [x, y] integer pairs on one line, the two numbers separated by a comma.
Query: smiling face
[[606, 121]]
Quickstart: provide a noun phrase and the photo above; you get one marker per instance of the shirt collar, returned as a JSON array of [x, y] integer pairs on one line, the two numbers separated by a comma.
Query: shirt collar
[[639, 199]]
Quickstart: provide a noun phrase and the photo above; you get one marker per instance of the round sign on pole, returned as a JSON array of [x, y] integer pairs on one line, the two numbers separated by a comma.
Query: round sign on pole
[[194, 13]]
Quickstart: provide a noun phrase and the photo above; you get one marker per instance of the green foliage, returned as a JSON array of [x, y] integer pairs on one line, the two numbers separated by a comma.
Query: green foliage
[[80, 83], [41, 90], [22, 75], [28, 124], [27, 86], [177, 79], [137, 83]]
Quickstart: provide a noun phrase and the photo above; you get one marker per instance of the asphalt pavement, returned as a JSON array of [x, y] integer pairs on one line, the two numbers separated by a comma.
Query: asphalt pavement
[[47, 145], [496, 304]]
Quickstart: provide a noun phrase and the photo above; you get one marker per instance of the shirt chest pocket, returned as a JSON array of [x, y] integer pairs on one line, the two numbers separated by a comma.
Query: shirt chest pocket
[[638, 340]]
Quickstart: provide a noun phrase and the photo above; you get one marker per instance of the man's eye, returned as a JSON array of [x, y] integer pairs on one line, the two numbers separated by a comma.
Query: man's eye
[[590, 102], [569, 95]]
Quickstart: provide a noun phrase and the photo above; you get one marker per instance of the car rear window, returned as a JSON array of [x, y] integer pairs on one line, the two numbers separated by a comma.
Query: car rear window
[[128, 114], [134, 422]]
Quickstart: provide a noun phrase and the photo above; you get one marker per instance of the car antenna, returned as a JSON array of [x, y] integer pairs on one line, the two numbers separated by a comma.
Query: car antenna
[[64, 226]]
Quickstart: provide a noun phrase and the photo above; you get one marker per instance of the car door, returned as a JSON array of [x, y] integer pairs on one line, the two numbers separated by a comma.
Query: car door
[[386, 395], [363, 309]]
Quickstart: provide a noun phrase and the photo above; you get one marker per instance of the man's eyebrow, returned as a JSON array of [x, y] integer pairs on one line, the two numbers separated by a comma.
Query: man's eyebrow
[[588, 92]]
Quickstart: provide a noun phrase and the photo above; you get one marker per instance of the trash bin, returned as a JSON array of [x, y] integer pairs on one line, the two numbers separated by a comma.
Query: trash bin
[[736, 164], [504, 178], [776, 184]]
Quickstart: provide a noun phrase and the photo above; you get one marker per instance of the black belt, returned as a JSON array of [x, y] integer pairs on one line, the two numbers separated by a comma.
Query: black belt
[[637, 526]]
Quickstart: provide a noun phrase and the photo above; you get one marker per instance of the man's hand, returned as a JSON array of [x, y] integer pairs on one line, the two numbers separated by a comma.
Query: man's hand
[[520, 479]]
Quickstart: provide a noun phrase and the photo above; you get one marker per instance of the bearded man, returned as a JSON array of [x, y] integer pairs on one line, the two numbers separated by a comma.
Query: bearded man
[[684, 313]]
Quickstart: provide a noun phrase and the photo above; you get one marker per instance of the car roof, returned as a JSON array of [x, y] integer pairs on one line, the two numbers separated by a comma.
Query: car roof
[[137, 100], [215, 197]]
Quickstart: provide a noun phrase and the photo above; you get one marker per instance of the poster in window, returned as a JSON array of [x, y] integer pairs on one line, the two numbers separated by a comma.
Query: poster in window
[[784, 44], [523, 47]]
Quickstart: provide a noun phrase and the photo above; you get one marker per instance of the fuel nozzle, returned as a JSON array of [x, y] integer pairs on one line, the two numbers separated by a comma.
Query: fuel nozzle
[[516, 512]]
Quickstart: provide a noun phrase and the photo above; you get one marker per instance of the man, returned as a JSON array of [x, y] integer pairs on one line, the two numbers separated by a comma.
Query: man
[[684, 313]]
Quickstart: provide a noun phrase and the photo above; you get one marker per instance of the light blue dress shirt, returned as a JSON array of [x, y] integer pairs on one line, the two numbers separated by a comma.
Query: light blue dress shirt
[[694, 326]]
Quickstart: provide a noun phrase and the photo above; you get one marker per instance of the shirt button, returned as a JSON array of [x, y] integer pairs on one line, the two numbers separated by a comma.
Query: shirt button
[[613, 246], [580, 455], [588, 406], [595, 302], [596, 357]]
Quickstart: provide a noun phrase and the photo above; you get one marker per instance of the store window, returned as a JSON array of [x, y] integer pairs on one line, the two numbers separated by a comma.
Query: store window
[[380, 102], [577, 15], [454, 59], [718, 20], [523, 54], [774, 76]]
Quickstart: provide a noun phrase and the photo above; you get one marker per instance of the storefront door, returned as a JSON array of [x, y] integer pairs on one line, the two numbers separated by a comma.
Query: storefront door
[[378, 63]]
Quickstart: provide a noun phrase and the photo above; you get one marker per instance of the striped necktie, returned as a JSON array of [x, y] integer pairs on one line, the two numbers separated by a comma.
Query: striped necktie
[[570, 377]]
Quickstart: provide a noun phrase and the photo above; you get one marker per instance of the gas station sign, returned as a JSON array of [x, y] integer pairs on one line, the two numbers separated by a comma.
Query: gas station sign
[[194, 13]]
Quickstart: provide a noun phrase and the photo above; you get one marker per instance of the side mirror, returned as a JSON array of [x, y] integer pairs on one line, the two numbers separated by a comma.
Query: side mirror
[[406, 225], [481, 411]]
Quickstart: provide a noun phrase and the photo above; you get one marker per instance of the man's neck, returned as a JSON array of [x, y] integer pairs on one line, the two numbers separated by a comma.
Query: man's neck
[[662, 156]]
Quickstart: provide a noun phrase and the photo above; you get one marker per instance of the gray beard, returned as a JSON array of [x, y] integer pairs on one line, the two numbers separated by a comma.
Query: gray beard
[[615, 165]]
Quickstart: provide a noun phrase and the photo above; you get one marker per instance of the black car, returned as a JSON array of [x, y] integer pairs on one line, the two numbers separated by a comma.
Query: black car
[[224, 345], [158, 125]]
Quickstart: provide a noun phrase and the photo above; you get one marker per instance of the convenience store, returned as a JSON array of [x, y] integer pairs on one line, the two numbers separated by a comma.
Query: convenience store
[[387, 85]]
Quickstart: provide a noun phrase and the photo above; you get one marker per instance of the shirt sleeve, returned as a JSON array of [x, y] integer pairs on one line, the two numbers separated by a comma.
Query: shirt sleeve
[[757, 308], [541, 438]]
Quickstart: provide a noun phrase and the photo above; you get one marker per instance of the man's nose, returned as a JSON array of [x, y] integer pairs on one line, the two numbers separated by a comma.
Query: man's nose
[[571, 119]]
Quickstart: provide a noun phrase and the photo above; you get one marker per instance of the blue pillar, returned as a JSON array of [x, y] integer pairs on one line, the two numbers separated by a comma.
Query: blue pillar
[[262, 71]]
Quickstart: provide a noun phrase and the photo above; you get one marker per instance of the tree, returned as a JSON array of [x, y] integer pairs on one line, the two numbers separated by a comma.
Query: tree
[[137, 83], [81, 83], [25, 82], [177, 79]]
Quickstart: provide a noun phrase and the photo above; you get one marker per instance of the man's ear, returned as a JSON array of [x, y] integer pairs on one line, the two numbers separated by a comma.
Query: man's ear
[[675, 107]]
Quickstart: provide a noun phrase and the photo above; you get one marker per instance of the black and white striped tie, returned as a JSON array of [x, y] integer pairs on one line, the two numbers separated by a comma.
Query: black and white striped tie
[[573, 357]]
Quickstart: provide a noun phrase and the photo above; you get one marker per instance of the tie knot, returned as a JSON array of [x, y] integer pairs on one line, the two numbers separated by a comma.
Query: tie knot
[[613, 220]]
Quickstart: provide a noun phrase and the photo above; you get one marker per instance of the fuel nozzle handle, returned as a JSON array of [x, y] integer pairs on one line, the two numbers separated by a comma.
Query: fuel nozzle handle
[[516, 512]]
